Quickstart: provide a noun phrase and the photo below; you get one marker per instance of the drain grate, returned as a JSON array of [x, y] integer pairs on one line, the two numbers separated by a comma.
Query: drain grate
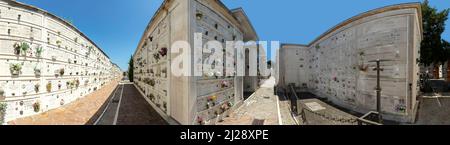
[[258, 122], [115, 101]]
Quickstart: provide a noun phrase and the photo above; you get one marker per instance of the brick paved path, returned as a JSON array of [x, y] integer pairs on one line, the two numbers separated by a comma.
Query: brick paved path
[[133, 110], [79, 112]]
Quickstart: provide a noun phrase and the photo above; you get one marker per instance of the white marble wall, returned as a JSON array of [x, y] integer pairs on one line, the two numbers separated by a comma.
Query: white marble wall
[[63, 46], [186, 98], [338, 66]]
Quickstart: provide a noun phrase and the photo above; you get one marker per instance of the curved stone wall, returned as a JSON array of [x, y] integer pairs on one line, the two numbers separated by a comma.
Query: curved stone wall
[[338, 64], [45, 61]]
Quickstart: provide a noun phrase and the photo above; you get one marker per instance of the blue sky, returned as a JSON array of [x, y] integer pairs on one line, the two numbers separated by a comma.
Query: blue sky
[[117, 25]]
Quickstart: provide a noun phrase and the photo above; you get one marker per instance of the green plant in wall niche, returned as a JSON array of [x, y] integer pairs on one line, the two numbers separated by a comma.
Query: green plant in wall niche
[[58, 42], [199, 15], [3, 107], [39, 51], [317, 46], [24, 48], [15, 68]]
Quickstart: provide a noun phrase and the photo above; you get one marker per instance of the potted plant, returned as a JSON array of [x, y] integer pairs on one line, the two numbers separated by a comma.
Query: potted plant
[[199, 15], [15, 68], [224, 107], [39, 51], [156, 56], [152, 82], [163, 51], [36, 87], [58, 42], [230, 104], [77, 83], [69, 85], [224, 84], [61, 71], [200, 120], [36, 106], [24, 48], [37, 71], [212, 98], [16, 48], [152, 97], [49, 87]]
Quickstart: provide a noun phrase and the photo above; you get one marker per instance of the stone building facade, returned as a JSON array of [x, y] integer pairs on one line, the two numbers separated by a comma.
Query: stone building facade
[[46, 62], [337, 64], [191, 100]]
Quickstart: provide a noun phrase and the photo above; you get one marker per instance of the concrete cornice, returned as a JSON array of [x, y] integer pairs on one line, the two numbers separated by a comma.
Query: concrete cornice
[[291, 44], [246, 18], [43, 12]]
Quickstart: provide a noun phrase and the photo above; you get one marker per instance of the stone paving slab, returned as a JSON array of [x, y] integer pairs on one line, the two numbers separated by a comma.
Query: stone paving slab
[[79, 112], [434, 111], [311, 117], [285, 111], [261, 105]]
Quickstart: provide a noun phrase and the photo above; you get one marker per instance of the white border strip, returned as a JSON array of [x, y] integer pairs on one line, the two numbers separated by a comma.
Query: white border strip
[[107, 106], [118, 106], [280, 122]]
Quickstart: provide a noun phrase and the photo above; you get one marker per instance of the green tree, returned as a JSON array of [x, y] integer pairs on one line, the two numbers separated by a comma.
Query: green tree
[[433, 48], [131, 69]]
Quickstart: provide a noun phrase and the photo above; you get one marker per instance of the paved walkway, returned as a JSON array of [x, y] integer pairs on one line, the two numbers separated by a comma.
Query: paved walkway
[[262, 106], [128, 107], [434, 111], [112, 105], [79, 112]]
